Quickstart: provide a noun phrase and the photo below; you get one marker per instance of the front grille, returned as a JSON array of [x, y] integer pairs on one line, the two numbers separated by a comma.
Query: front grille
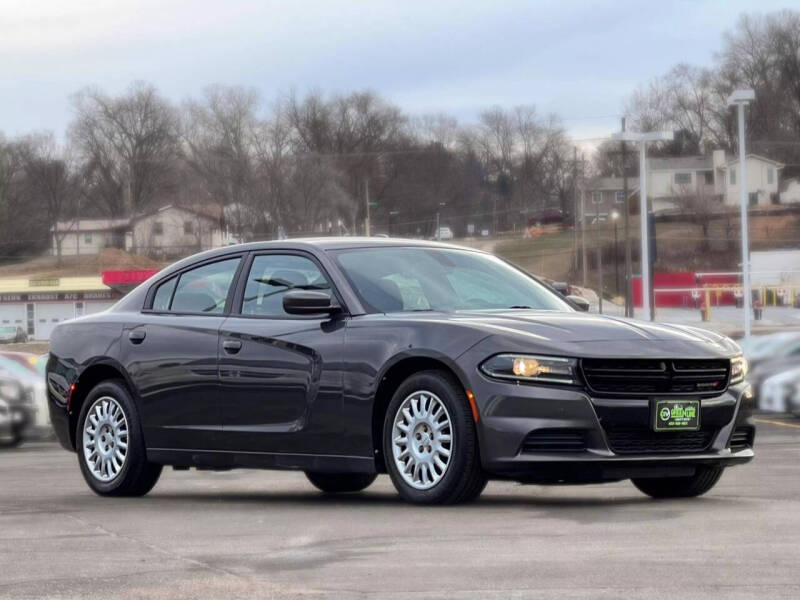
[[642, 377], [742, 438], [555, 440], [641, 440]]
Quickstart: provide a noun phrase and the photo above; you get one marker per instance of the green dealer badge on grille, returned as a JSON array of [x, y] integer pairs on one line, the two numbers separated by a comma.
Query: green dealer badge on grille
[[676, 415]]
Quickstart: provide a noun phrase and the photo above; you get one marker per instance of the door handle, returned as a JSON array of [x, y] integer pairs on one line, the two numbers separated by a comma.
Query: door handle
[[231, 346], [137, 336]]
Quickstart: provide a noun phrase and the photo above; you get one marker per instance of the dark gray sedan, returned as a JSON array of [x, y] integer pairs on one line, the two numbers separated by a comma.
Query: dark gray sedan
[[345, 358]]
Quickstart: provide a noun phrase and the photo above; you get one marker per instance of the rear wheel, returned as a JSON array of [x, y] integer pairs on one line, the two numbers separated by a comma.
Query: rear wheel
[[111, 450], [337, 483], [430, 444], [698, 484]]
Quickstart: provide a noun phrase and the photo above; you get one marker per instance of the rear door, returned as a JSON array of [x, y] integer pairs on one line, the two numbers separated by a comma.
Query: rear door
[[171, 355], [280, 374]]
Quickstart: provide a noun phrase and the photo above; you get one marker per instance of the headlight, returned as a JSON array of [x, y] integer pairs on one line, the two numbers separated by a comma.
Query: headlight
[[529, 367], [739, 369]]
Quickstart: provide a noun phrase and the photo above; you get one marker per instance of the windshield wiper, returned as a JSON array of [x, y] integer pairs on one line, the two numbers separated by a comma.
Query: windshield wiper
[[521, 306]]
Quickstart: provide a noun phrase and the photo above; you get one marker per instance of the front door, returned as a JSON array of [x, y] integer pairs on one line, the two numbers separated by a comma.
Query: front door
[[171, 356], [280, 374]]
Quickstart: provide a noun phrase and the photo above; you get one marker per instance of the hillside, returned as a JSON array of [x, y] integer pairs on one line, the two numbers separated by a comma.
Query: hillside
[[72, 266]]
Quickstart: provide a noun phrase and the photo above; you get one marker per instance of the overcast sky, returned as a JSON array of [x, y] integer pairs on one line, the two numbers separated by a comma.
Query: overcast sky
[[579, 59]]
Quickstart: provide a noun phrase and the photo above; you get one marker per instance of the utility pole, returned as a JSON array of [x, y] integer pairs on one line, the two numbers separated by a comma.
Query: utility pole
[[583, 228], [366, 218], [438, 227], [740, 99], [627, 207], [575, 210], [642, 139], [599, 255]]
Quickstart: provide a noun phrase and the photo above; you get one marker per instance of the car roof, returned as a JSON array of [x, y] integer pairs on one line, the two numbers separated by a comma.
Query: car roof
[[334, 243]]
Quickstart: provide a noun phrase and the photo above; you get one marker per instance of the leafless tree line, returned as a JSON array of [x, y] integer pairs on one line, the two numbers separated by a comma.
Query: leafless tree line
[[300, 165], [762, 53]]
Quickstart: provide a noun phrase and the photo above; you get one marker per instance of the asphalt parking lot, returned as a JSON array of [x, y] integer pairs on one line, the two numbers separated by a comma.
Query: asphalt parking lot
[[270, 534]]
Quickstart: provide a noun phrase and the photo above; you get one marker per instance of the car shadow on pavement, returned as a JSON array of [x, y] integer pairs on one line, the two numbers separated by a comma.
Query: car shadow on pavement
[[489, 500]]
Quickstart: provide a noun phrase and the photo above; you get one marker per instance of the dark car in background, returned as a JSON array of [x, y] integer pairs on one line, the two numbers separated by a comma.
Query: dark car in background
[[345, 358]]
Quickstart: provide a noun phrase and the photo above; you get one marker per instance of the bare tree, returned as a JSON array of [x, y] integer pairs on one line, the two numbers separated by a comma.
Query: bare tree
[[51, 182], [129, 145]]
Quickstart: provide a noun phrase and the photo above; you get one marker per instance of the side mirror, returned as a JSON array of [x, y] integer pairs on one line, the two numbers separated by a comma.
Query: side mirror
[[579, 302], [301, 302]]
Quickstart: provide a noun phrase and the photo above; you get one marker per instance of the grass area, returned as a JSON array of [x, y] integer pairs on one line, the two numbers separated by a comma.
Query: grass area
[[75, 266]]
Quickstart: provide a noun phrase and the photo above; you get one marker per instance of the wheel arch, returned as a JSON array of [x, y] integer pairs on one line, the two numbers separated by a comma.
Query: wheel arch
[[90, 376], [394, 373]]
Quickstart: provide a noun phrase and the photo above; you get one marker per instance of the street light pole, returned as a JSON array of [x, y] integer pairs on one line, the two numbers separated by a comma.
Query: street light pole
[[643, 138], [740, 99], [615, 218]]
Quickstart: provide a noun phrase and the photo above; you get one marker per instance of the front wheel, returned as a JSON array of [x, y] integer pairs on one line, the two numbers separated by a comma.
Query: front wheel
[[111, 450], [430, 445], [338, 483], [698, 484]]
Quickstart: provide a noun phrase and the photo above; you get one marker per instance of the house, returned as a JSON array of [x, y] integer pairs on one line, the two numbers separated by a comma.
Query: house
[[172, 231], [88, 236], [671, 180]]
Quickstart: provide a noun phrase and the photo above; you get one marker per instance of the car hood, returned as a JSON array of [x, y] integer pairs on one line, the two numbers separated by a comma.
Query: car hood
[[584, 334]]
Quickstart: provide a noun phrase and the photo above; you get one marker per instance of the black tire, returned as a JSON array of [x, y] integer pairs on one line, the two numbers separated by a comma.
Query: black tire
[[698, 484], [137, 476], [339, 483], [464, 479]]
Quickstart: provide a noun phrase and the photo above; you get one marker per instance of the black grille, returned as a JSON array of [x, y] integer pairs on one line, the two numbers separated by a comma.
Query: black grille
[[638, 377], [742, 438], [555, 440], [641, 440]]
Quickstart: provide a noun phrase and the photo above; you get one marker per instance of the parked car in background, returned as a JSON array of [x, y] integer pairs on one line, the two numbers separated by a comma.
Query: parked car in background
[[10, 334], [444, 234], [771, 357], [26, 393], [17, 412]]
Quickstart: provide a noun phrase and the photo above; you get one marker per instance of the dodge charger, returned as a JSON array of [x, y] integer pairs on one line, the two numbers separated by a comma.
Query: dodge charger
[[442, 366]]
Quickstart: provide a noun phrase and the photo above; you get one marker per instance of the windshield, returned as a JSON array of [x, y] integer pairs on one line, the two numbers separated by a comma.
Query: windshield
[[402, 279]]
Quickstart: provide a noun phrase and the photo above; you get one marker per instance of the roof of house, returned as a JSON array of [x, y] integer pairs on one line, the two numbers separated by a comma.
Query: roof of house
[[212, 212], [52, 284], [669, 163], [87, 225], [735, 160]]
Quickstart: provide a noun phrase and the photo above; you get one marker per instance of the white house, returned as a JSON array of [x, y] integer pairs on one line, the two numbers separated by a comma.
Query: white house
[[88, 236], [762, 179], [173, 230], [671, 180]]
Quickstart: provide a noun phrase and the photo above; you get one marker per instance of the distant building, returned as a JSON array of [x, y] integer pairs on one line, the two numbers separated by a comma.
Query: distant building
[[172, 231], [671, 180], [88, 236], [38, 304], [165, 232]]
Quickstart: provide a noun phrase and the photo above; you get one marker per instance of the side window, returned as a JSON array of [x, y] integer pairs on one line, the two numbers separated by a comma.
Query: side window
[[204, 289], [164, 295], [272, 275]]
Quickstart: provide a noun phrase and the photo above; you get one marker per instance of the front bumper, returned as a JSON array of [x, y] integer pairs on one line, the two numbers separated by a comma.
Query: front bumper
[[555, 434]]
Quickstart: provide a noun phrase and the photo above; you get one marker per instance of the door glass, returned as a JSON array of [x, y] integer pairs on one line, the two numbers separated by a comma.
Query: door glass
[[272, 275], [164, 295], [205, 289]]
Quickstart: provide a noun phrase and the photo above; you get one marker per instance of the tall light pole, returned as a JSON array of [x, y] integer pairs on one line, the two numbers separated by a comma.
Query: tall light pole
[[615, 218], [642, 139], [740, 99]]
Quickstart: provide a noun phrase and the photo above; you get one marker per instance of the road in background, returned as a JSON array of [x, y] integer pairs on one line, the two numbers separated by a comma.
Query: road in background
[[270, 534]]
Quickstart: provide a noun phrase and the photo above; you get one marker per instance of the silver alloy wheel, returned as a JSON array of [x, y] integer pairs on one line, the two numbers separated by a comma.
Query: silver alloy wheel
[[422, 440], [105, 439]]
